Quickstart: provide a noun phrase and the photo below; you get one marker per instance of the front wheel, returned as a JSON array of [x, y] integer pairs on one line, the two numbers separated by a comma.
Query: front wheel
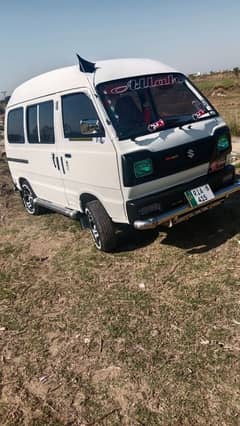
[[28, 197], [101, 227]]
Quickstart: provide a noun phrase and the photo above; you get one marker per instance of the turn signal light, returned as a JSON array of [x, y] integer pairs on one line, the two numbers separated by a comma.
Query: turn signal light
[[217, 165]]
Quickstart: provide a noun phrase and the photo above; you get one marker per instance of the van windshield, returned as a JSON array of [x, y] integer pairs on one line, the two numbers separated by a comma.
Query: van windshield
[[147, 104]]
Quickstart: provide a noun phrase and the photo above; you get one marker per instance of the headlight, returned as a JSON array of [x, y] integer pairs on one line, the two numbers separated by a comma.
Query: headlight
[[138, 167], [223, 143], [143, 168]]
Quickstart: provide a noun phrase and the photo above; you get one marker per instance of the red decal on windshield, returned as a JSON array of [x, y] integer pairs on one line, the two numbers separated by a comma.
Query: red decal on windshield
[[118, 90], [199, 113], [157, 125], [144, 83]]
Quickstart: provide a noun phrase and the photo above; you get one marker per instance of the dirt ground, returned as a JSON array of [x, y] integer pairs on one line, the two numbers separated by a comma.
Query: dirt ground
[[223, 90], [149, 335]]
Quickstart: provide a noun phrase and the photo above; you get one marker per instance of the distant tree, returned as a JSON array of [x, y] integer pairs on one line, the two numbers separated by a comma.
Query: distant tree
[[236, 71]]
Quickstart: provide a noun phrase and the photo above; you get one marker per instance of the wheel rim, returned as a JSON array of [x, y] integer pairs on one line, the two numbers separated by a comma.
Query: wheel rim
[[94, 230], [28, 199]]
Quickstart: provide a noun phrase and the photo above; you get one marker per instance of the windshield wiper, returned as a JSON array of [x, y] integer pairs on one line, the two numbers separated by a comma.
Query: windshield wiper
[[178, 120]]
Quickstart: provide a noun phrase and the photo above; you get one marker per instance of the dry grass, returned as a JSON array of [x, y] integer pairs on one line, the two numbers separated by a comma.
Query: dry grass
[[146, 336], [223, 90]]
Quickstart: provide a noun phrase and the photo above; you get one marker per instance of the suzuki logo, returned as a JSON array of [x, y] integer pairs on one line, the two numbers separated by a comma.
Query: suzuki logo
[[190, 153]]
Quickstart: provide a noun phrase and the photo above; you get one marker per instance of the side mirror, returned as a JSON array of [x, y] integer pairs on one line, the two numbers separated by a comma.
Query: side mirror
[[91, 127]]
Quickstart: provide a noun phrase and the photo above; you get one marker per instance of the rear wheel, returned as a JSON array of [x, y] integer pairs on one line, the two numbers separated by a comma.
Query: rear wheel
[[101, 227], [28, 197]]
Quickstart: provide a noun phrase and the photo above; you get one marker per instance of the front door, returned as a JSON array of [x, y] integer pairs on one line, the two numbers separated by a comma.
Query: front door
[[89, 161]]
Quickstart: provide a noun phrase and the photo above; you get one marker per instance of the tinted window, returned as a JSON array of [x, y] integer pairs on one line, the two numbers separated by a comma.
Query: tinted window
[[46, 126], [32, 129], [75, 108], [15, 126], [45, 133]]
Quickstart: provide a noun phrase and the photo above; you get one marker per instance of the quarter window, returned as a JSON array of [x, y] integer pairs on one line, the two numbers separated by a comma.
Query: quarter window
[[15, 129], [75, 108], [40, 123]]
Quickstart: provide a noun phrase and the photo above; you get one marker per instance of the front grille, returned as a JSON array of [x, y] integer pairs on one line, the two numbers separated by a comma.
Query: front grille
[[169, 161], [183, 157], [174, 160]]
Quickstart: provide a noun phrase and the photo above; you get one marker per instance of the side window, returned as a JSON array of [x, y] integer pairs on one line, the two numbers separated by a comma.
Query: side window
[[15, 131], [46, 125], [75, 108], [32, 127], [40, 123]]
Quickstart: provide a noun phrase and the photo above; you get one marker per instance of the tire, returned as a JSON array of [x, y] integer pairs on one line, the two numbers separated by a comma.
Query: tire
[[101, 226], [28, 197]]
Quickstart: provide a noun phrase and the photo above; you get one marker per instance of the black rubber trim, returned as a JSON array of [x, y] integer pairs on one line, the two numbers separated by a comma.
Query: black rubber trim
[[174, 197], [17, 160]]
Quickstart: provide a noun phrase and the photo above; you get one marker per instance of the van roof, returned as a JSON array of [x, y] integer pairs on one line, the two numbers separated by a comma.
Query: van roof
[[70, 78]]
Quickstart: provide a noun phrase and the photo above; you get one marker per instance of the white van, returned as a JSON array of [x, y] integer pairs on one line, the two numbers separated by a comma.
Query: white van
[[119, 142]]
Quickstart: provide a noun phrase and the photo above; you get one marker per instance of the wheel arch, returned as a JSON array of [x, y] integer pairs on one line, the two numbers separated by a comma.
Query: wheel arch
[[23, 180], [85, 198]]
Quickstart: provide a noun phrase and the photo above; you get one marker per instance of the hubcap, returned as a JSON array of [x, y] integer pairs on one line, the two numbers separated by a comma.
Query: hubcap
[[93, 229], [28, 199]]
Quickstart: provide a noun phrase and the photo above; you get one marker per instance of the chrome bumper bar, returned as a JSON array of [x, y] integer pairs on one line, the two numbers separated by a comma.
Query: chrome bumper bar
[[184, 212]]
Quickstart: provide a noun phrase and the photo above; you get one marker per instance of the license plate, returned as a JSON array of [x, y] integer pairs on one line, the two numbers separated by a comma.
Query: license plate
[[199, 195]]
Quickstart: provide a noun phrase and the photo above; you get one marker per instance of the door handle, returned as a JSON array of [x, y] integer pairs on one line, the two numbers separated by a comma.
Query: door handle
[[57, 161], [53, 160], [63, 168], [67, 155]]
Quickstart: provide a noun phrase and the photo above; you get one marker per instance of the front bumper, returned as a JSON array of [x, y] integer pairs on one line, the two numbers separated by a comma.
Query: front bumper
[[184, 212]]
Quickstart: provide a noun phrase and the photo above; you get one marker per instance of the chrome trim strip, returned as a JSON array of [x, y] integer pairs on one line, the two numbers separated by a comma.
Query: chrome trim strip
[[174, 216], [58, 209]]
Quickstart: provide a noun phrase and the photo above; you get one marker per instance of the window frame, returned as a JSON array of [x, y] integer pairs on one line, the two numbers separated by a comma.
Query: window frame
[[83, 138], [20, 108]]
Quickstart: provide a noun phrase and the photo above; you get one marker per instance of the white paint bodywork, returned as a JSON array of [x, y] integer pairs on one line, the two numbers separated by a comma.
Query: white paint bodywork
[[94, 166]]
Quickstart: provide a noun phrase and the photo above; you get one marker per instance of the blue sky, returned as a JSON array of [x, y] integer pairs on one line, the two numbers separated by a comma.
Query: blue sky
[[192, 36]]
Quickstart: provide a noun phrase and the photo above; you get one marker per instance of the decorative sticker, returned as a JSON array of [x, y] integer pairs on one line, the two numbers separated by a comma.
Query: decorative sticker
[[157, 125], [199, 114], [143, 83]]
